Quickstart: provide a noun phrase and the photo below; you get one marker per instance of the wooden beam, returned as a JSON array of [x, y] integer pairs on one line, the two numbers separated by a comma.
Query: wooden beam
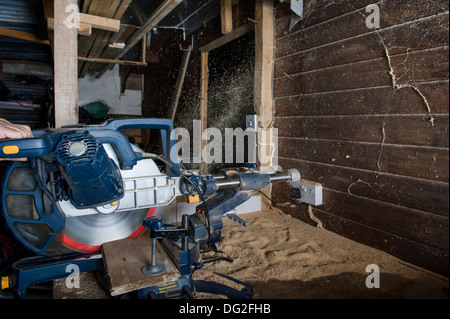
[[264, 59], [166, 7], [27, 68], [22, 36], [86, 5], [226, 12], [101, 23], [233, 35], [65, 67], [204, 108], [179, 84], [84, 28], [122, 8], [111, 61]]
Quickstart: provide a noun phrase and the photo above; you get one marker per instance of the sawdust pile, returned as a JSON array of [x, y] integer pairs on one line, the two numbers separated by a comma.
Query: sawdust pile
[[284, 258]]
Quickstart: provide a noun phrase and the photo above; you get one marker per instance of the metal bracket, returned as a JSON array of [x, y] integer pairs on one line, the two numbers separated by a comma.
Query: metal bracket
[[251, 122], [297, 16]]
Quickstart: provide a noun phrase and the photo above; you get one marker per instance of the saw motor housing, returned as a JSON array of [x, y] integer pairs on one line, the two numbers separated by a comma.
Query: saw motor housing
[[92, 178]]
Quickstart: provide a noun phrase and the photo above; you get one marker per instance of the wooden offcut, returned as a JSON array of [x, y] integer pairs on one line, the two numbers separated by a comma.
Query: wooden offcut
[[124, 260]]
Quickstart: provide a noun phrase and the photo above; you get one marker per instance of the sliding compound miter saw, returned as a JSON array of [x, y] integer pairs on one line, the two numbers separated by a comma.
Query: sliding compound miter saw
[[84, 186]]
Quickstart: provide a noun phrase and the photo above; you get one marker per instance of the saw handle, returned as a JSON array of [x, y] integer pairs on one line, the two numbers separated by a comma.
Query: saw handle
[[23, 148]]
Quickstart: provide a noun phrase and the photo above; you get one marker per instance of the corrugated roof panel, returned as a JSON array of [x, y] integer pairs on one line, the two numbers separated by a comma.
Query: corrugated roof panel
[[17, 11], [19, 15]]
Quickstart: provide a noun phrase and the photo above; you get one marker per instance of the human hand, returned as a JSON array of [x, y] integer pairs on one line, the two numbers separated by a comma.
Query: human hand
[[14, 131]]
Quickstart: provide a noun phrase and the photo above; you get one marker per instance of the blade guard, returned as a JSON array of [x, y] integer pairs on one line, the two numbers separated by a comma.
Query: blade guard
[[36, 230]]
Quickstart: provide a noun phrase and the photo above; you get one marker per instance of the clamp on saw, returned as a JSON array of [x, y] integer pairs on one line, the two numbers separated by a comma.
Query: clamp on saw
[[84, 186]]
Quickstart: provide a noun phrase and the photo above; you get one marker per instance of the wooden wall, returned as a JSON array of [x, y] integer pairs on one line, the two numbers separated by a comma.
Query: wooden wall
[[365, 112]]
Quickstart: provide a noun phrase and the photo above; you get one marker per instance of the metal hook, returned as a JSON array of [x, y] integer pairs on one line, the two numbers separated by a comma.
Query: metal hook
[[189, 49]]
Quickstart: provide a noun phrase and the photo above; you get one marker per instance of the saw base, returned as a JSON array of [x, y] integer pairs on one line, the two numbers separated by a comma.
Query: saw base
[[124, 260]]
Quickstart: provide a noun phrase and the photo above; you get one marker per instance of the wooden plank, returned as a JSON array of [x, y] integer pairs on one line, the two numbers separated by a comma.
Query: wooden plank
[[264, 59], [419, 254], [420, 162], [27, 68], [352, 24], [124, 260], [122, 8], [101, 23], [367, 74], [367, 137], [111, 51], [418, 226], [368, 101], [400, 130], [65, 67], [166, 7], [126, 30], [316, 13], [179, 83], [407, 192], [235, 34], [204, 105], [22, 36], [226, 12], [404, 222], [111, 61], [83, 29], [399, 40]]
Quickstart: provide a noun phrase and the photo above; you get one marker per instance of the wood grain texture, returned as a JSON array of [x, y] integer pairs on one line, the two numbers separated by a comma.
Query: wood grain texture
[[124, 260], [365, 113]]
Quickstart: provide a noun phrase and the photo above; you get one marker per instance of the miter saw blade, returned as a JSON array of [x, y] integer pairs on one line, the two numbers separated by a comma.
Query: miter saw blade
[[87, 233]]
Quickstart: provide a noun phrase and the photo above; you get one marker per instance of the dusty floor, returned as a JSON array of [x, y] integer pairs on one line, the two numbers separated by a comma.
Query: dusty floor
[[284, 258]]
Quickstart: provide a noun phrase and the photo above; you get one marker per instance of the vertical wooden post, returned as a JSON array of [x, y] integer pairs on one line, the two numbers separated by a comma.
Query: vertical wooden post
[[264, 59], [65, 65], [226, 12], [179, 83], [204, 107]]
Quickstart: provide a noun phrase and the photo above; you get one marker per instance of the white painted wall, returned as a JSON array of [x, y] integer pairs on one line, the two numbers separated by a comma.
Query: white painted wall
[[107, 89]]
